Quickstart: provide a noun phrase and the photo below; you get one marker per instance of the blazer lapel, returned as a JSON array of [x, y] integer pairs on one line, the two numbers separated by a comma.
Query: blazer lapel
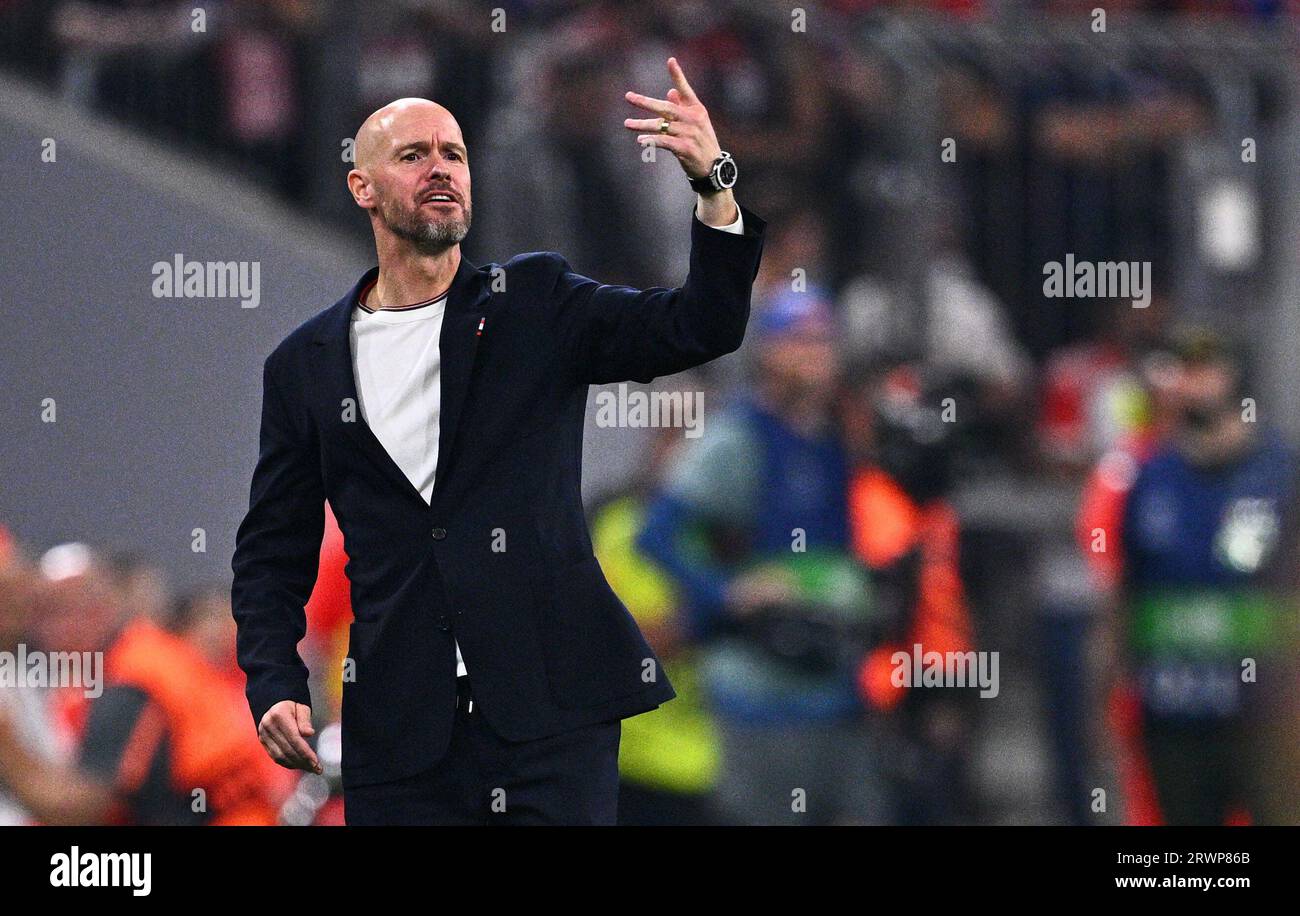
[[458, 346], [457, 343]]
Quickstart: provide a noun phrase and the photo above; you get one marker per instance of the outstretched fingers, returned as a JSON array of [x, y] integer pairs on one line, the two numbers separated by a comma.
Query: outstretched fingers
[[660, 107], [679, 81]]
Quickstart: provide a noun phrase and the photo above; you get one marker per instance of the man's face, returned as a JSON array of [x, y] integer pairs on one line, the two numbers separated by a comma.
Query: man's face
[[1204, 392], [802, 364], [415, 175], [213, 630], [79, 613]]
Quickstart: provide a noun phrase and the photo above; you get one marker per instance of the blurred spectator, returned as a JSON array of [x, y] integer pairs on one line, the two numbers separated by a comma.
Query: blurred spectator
[[1206, 636], [669, 758], [1093, 392], [753, 525], [142, 584], [25, 717], [259, 67], [141, 61], [202, 617], [960, 327], [167, 741], [905, 529]]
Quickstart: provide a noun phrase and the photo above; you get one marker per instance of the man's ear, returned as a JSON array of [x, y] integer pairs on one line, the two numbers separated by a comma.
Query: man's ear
[[359, 185]]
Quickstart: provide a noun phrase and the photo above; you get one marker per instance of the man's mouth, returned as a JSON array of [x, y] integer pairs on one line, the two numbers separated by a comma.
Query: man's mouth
[[439, 197]]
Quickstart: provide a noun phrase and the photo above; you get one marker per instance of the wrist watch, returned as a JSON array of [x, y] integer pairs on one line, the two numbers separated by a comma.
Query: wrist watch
[[721, 176]]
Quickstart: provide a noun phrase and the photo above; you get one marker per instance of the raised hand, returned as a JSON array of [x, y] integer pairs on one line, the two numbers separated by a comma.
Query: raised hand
[[688, 135]]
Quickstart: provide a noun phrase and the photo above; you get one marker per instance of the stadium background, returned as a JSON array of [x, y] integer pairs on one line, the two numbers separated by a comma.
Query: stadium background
[[227, 144]]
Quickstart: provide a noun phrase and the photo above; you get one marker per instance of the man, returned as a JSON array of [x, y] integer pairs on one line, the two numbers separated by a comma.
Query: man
[[1208, 622], [752, 524], [439, 407], [904, 527], [669, 760]]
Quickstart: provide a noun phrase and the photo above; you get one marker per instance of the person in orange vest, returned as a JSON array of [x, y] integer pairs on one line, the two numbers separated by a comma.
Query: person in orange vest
[[905, 530], [162, 733]]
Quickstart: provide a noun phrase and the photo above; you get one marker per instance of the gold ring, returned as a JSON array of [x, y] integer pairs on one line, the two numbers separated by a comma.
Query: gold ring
[[663, 125]]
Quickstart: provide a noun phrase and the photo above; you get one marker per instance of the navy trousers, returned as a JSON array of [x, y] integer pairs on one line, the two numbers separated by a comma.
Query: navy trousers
[[570, 778]]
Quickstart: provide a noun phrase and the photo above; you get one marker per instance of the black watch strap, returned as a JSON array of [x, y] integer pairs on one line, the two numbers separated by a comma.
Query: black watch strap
[[703, 185], [718, 178]]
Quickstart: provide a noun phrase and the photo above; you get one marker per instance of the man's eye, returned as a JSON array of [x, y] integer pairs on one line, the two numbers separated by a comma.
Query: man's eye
[[453, 155], [410, 157]]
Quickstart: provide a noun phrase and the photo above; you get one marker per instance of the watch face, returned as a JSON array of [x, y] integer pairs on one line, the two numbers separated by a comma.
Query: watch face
[[727, 173]]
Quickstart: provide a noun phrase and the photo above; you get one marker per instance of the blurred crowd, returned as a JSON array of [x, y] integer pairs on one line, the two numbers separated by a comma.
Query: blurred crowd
[[827, 122], [121, 702], [904, 392], [779, 564]]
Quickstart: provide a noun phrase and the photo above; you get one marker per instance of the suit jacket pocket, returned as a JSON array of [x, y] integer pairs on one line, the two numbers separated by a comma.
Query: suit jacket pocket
[[594, 651]]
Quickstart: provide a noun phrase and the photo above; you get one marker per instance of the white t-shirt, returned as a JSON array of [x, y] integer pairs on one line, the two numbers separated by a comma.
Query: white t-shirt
[[398, 370]]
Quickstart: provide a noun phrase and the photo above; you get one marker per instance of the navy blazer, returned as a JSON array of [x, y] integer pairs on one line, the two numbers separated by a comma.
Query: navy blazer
[[548, 645]]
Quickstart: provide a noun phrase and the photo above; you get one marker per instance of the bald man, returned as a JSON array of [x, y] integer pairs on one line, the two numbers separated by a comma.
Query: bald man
[[439, 406]]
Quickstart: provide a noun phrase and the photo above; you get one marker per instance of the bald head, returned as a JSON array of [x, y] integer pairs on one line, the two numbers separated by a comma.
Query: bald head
[[412, 175], [80, 603], [398, 122]]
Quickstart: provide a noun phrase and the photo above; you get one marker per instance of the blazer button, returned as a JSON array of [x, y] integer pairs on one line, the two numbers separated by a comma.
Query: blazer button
[[439, 533], [443, 623]]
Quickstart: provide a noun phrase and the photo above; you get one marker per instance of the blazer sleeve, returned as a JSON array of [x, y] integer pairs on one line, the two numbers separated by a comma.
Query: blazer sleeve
[[276, 559], [611, 333]]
